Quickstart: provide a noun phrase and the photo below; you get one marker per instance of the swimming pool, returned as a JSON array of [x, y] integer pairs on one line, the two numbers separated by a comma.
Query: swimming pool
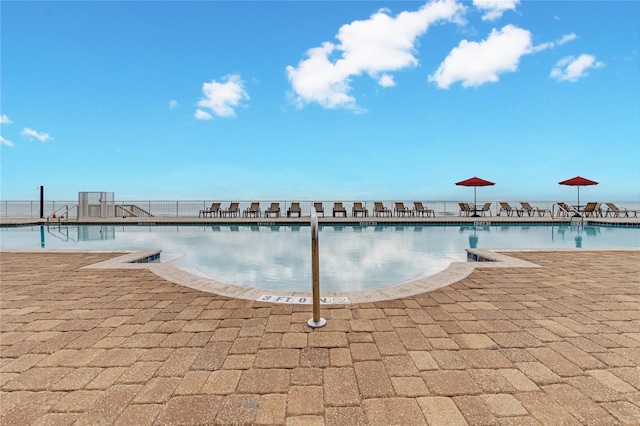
[[277, 257]]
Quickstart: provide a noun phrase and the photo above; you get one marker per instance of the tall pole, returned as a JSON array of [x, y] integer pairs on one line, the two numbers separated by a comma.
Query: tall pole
[[41, 202], [316, 321]]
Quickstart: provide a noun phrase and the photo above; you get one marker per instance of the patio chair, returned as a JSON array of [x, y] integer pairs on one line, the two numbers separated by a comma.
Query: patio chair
[[319, 209], [616, 211], [530, 210], [214, 210], [564, 209], [400, 209], [233, 210], [358, 208], [338, 208], [465, 209], [274, 209], [380, 209], [592, 209], [293, 209], [505, 207], [486, 208], [420, 209], [253, 210]]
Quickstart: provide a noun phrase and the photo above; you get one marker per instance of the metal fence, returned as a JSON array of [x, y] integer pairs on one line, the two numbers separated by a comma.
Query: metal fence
[[192, 208]]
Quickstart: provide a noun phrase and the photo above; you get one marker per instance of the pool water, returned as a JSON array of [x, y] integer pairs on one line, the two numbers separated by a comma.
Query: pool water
[[351, 257]]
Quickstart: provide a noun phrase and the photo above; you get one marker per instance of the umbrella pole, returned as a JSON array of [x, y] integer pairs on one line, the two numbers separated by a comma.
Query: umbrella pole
[[475, 203]]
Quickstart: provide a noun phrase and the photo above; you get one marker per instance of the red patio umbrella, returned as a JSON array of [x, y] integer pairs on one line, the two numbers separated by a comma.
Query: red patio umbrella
[[578, 181], [475, 182]]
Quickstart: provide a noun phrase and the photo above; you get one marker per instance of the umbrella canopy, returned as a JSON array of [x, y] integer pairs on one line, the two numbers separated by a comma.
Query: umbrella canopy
[[578, 181], [475, 182]]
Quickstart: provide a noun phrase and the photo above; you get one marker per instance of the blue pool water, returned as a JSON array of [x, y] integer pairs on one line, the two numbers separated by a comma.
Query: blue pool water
[[351, 257]]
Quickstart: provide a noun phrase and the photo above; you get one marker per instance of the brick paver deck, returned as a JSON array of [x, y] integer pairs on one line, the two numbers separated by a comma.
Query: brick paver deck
[[524, 346]]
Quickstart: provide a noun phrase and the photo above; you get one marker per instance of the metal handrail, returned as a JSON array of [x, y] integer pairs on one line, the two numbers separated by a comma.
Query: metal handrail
[[65, 214], [131, 210], [317, 321], [571, 209]]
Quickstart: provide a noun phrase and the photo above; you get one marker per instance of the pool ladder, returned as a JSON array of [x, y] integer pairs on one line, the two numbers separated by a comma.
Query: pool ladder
[[64, 215], [578, 219]]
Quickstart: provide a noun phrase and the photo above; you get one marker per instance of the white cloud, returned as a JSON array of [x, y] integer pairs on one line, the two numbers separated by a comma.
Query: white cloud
[[4, 119], [6, 142], [222, 97], [543, 46], [476, 63], [386, 80], [493, 9], [551, 44], [374, 46], [202, 115], [566, 39], [572, 69], [30, 133], [173, 103]]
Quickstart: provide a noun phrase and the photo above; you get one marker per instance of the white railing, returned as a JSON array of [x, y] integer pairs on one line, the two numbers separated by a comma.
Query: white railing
[[191, 208]]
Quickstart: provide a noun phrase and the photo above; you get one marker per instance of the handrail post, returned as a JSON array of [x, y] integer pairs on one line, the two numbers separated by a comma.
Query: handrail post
[[317, 321]]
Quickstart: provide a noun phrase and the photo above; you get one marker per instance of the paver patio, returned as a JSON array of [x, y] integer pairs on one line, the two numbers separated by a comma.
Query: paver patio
[[553, 345]]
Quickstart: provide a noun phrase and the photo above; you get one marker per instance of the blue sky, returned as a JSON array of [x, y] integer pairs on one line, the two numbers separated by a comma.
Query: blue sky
[[320, 100]]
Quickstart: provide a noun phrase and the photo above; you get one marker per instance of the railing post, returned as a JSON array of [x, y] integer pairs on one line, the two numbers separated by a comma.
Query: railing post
[[317, 321]]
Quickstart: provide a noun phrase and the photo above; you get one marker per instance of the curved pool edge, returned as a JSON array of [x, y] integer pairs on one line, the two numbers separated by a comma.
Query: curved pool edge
[[455, 272]]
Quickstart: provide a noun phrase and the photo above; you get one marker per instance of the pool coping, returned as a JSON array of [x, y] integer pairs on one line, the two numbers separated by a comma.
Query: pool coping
[[336, 221], [456, 271]]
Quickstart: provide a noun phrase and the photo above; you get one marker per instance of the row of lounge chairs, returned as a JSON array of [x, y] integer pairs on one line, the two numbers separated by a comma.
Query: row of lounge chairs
[[594, 209], [526, 209], [358, 209], [591, 209], [252, 211], [380, 210]]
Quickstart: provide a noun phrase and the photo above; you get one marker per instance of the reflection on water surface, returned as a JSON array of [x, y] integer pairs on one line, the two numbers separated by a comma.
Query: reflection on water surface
[[278, 257]]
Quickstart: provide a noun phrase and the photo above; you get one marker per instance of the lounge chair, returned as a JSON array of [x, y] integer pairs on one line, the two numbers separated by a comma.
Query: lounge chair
[[358, 208], [380, 209], [564, 210], [233, 210], [400, 209], [319, 208], [465, 209], [274, 209], [530, 210], [505, 207], [420, 209], [616, 211], [338, 208], [527, 208], [485, 208], [294, 209], [253, 210], [592, 209], [214, 210]]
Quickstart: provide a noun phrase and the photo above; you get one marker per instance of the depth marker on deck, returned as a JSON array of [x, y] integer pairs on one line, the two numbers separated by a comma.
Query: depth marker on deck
[[302, 300]]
